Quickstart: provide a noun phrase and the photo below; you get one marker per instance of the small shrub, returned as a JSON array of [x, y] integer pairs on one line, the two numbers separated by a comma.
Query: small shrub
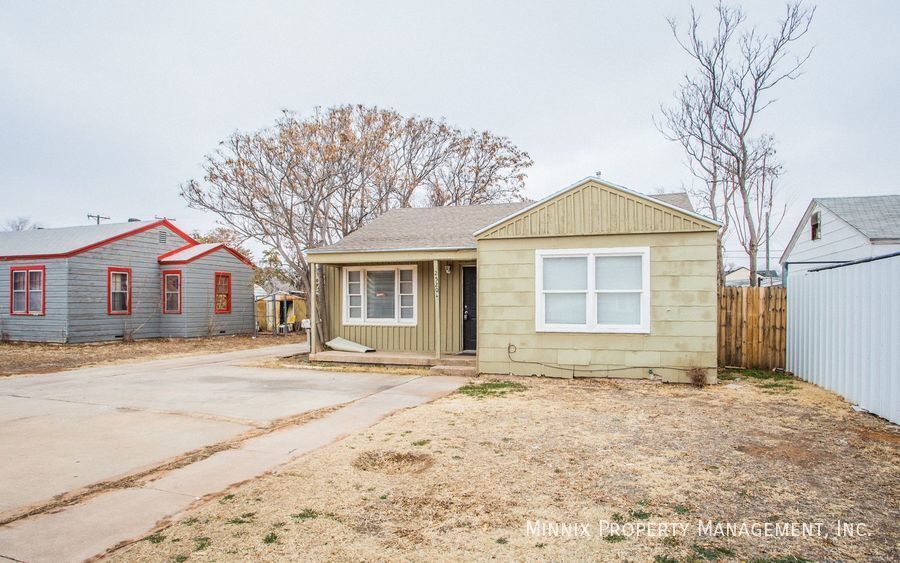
[[305, 514], [421, 442], [697, 376], [712, 553], [271, 537], [227, 498], [614, 538], [155, 538], [244, 518], [680, 509], [502, 541], [639, 514], [617, 518], [664, 559], [201, 543], [491, 389]]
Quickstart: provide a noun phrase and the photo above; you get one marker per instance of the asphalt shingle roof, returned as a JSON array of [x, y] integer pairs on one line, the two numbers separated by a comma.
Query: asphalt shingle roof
[[424, 227], [678, 199], [62, 240], [412, 228], [877, 217]]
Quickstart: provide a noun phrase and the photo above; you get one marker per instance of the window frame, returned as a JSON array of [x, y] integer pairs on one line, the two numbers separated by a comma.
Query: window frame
[[591, 325], [815, 226], [227, 309], [28, 269], [363, 320], [166, 273], [109, 274]]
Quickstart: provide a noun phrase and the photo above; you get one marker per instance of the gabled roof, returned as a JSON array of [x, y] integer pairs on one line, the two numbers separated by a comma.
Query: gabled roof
[[875, 217], [422, 228], [69, 241], [573, 217], [191, 252]]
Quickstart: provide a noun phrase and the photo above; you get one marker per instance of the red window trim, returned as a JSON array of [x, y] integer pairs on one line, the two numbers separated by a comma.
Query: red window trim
[[109, 272], [180, 290], [216, 293], [31, 268]]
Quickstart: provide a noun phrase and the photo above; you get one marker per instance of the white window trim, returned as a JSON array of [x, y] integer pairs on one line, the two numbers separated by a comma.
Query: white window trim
[[363, 320], [591, 314]]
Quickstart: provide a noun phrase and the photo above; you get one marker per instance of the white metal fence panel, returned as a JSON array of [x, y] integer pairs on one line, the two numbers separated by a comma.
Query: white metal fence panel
[[843, 332]]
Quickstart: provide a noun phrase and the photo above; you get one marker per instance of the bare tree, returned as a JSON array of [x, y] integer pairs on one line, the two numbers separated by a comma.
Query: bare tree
[[717, 107], [310, 181], [20, 224]]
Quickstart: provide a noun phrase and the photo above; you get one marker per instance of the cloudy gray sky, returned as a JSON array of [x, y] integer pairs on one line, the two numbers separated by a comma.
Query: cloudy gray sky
[[108, 106]]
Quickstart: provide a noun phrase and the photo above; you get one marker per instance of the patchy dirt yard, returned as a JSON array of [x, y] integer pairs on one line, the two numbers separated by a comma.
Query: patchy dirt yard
[[461, 478], [23, 357]]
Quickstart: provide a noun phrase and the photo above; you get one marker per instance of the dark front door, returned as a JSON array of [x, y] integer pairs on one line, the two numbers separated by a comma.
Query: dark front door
[[470, 299]]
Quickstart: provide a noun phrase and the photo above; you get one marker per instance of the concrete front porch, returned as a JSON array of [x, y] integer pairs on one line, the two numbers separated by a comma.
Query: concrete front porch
[[447, 364]]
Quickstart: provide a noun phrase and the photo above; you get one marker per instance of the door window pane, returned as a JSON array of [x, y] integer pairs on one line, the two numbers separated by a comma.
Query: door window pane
[[618, 272], [619, 308], [565, 273], [380, 294], [565, 308]]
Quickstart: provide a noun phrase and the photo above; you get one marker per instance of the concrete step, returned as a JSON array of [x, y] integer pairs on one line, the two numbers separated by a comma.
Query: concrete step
[[463, 371], [467, 361]]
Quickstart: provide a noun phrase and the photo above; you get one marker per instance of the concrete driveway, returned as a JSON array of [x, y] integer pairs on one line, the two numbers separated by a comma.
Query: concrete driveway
[[63, 432]]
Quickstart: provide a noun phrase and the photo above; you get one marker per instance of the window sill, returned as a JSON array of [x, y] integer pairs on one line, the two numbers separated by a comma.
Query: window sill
[[27, 314], [598, 330], [379, 323]]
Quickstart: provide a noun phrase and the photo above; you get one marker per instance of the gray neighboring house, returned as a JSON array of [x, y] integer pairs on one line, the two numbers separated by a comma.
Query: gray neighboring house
[[837, 230], [141, 279]]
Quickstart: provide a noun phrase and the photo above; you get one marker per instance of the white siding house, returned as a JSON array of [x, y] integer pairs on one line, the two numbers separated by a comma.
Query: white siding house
[[837, 230]]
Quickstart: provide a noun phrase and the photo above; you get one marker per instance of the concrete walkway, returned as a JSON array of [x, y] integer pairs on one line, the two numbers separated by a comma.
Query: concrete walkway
[[236, 399]]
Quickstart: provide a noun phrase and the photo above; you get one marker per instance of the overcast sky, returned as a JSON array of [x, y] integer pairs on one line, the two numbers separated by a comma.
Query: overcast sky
[[108, 106]]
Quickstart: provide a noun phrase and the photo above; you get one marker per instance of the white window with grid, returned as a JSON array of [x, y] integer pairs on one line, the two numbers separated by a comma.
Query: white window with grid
[[379, 295], [593, 290]]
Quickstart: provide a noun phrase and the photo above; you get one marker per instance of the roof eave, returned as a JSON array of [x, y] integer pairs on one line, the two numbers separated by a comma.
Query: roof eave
[[104, 242]]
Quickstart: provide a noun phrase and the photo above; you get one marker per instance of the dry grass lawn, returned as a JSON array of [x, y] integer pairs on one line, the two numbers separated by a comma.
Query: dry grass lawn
[[458, 479], [25, 357]]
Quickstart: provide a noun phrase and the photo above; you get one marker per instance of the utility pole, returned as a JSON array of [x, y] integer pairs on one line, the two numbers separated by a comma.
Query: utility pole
[[97, 217], [767, 240]]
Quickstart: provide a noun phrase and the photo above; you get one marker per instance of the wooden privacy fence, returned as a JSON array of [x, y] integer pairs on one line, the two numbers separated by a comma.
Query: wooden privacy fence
[[752, 327]]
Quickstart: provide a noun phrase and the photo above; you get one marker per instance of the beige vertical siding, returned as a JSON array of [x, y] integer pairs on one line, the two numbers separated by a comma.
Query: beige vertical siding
[[418, 338], [682, 304], [594, 208]]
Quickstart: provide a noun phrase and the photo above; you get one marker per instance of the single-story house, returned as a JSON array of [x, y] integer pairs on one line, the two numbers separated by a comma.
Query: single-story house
[[740, 277], [141, 279], [839, 230], [594, 280]]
